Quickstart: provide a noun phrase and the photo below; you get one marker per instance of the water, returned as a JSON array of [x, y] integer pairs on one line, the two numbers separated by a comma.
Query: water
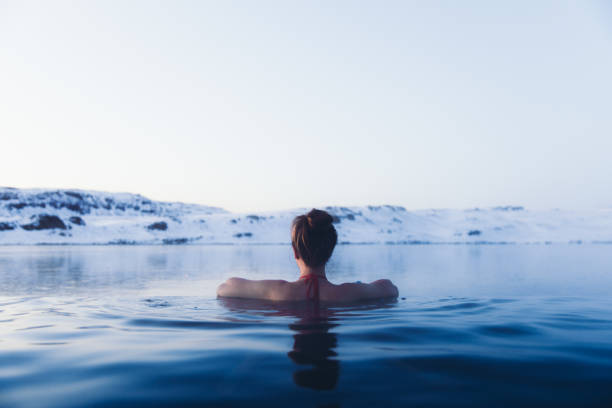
[[140, 326]]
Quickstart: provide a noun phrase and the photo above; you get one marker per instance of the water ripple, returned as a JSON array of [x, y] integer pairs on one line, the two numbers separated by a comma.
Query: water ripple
[[509, 330], [190, 324], [36, 327]]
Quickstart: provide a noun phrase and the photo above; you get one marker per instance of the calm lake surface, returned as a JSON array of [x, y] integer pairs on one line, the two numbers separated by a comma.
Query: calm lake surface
[[516, 325]]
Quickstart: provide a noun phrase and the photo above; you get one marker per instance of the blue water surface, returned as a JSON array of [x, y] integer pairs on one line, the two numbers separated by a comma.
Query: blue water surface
[[515, 325]]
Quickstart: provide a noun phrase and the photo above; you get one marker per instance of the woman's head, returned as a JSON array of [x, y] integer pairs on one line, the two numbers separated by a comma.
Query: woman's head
[[313, 237]]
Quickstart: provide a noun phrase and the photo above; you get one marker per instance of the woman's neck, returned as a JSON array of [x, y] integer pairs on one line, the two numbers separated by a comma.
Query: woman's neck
[[307, 270]]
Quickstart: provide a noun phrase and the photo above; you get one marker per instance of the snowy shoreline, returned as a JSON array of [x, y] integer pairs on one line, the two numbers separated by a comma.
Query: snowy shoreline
[[77, 217]]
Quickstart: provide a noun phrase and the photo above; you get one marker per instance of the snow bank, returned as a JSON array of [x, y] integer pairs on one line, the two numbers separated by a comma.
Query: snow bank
[[39, 216]]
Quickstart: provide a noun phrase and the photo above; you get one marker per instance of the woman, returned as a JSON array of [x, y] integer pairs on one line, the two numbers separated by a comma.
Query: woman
[[313, 238]]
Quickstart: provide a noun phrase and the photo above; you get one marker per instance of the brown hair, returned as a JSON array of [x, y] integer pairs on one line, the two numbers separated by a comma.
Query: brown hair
[[314, 237]]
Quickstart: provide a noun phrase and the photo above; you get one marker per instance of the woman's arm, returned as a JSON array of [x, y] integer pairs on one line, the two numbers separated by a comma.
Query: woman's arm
[[382, 288], [250, 289]]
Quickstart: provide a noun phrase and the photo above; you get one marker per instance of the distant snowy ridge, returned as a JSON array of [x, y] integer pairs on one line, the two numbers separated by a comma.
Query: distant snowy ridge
[[44, 216]]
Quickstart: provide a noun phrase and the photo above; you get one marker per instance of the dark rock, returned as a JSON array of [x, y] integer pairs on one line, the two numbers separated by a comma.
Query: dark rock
[[5, 226], [474, 232], [393, 208], [16, 206], [509, 208], [243, 234], [160, 226], [233, 221], [75, 207], [76, 220], [337, 219], [63, 202], [79, 202], [45, 221], [253, 217], [4, 196], [19, 206], [175, 241], [107, 203], [122, 242], [78, 196]]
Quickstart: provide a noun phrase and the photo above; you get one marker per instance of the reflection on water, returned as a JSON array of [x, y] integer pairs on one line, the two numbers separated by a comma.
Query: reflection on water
[[314, 338], [314, 346], [314, 343]]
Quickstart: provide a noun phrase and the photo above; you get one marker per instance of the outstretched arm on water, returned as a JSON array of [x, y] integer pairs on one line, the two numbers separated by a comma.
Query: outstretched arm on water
[[251, 289], [382, 288]]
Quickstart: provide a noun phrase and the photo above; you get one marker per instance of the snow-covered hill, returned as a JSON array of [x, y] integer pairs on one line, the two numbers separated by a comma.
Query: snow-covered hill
[[39, 216]]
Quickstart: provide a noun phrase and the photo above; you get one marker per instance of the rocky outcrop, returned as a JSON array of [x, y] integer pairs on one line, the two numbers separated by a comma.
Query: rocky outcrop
[[77, 221], [158, 226], [7, 226], [45, 222]]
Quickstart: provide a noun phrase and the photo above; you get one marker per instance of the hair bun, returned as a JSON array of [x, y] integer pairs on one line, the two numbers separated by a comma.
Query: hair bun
[[318, 219], [313, 237]]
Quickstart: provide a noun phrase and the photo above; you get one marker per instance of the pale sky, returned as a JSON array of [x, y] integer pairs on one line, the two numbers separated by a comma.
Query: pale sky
[[265, 105]]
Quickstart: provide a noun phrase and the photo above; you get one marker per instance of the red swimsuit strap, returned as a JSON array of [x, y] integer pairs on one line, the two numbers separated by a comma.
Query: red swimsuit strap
[[312, 285]]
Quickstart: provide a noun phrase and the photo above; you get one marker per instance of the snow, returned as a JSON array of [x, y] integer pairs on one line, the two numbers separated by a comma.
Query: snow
[[124, 218]]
